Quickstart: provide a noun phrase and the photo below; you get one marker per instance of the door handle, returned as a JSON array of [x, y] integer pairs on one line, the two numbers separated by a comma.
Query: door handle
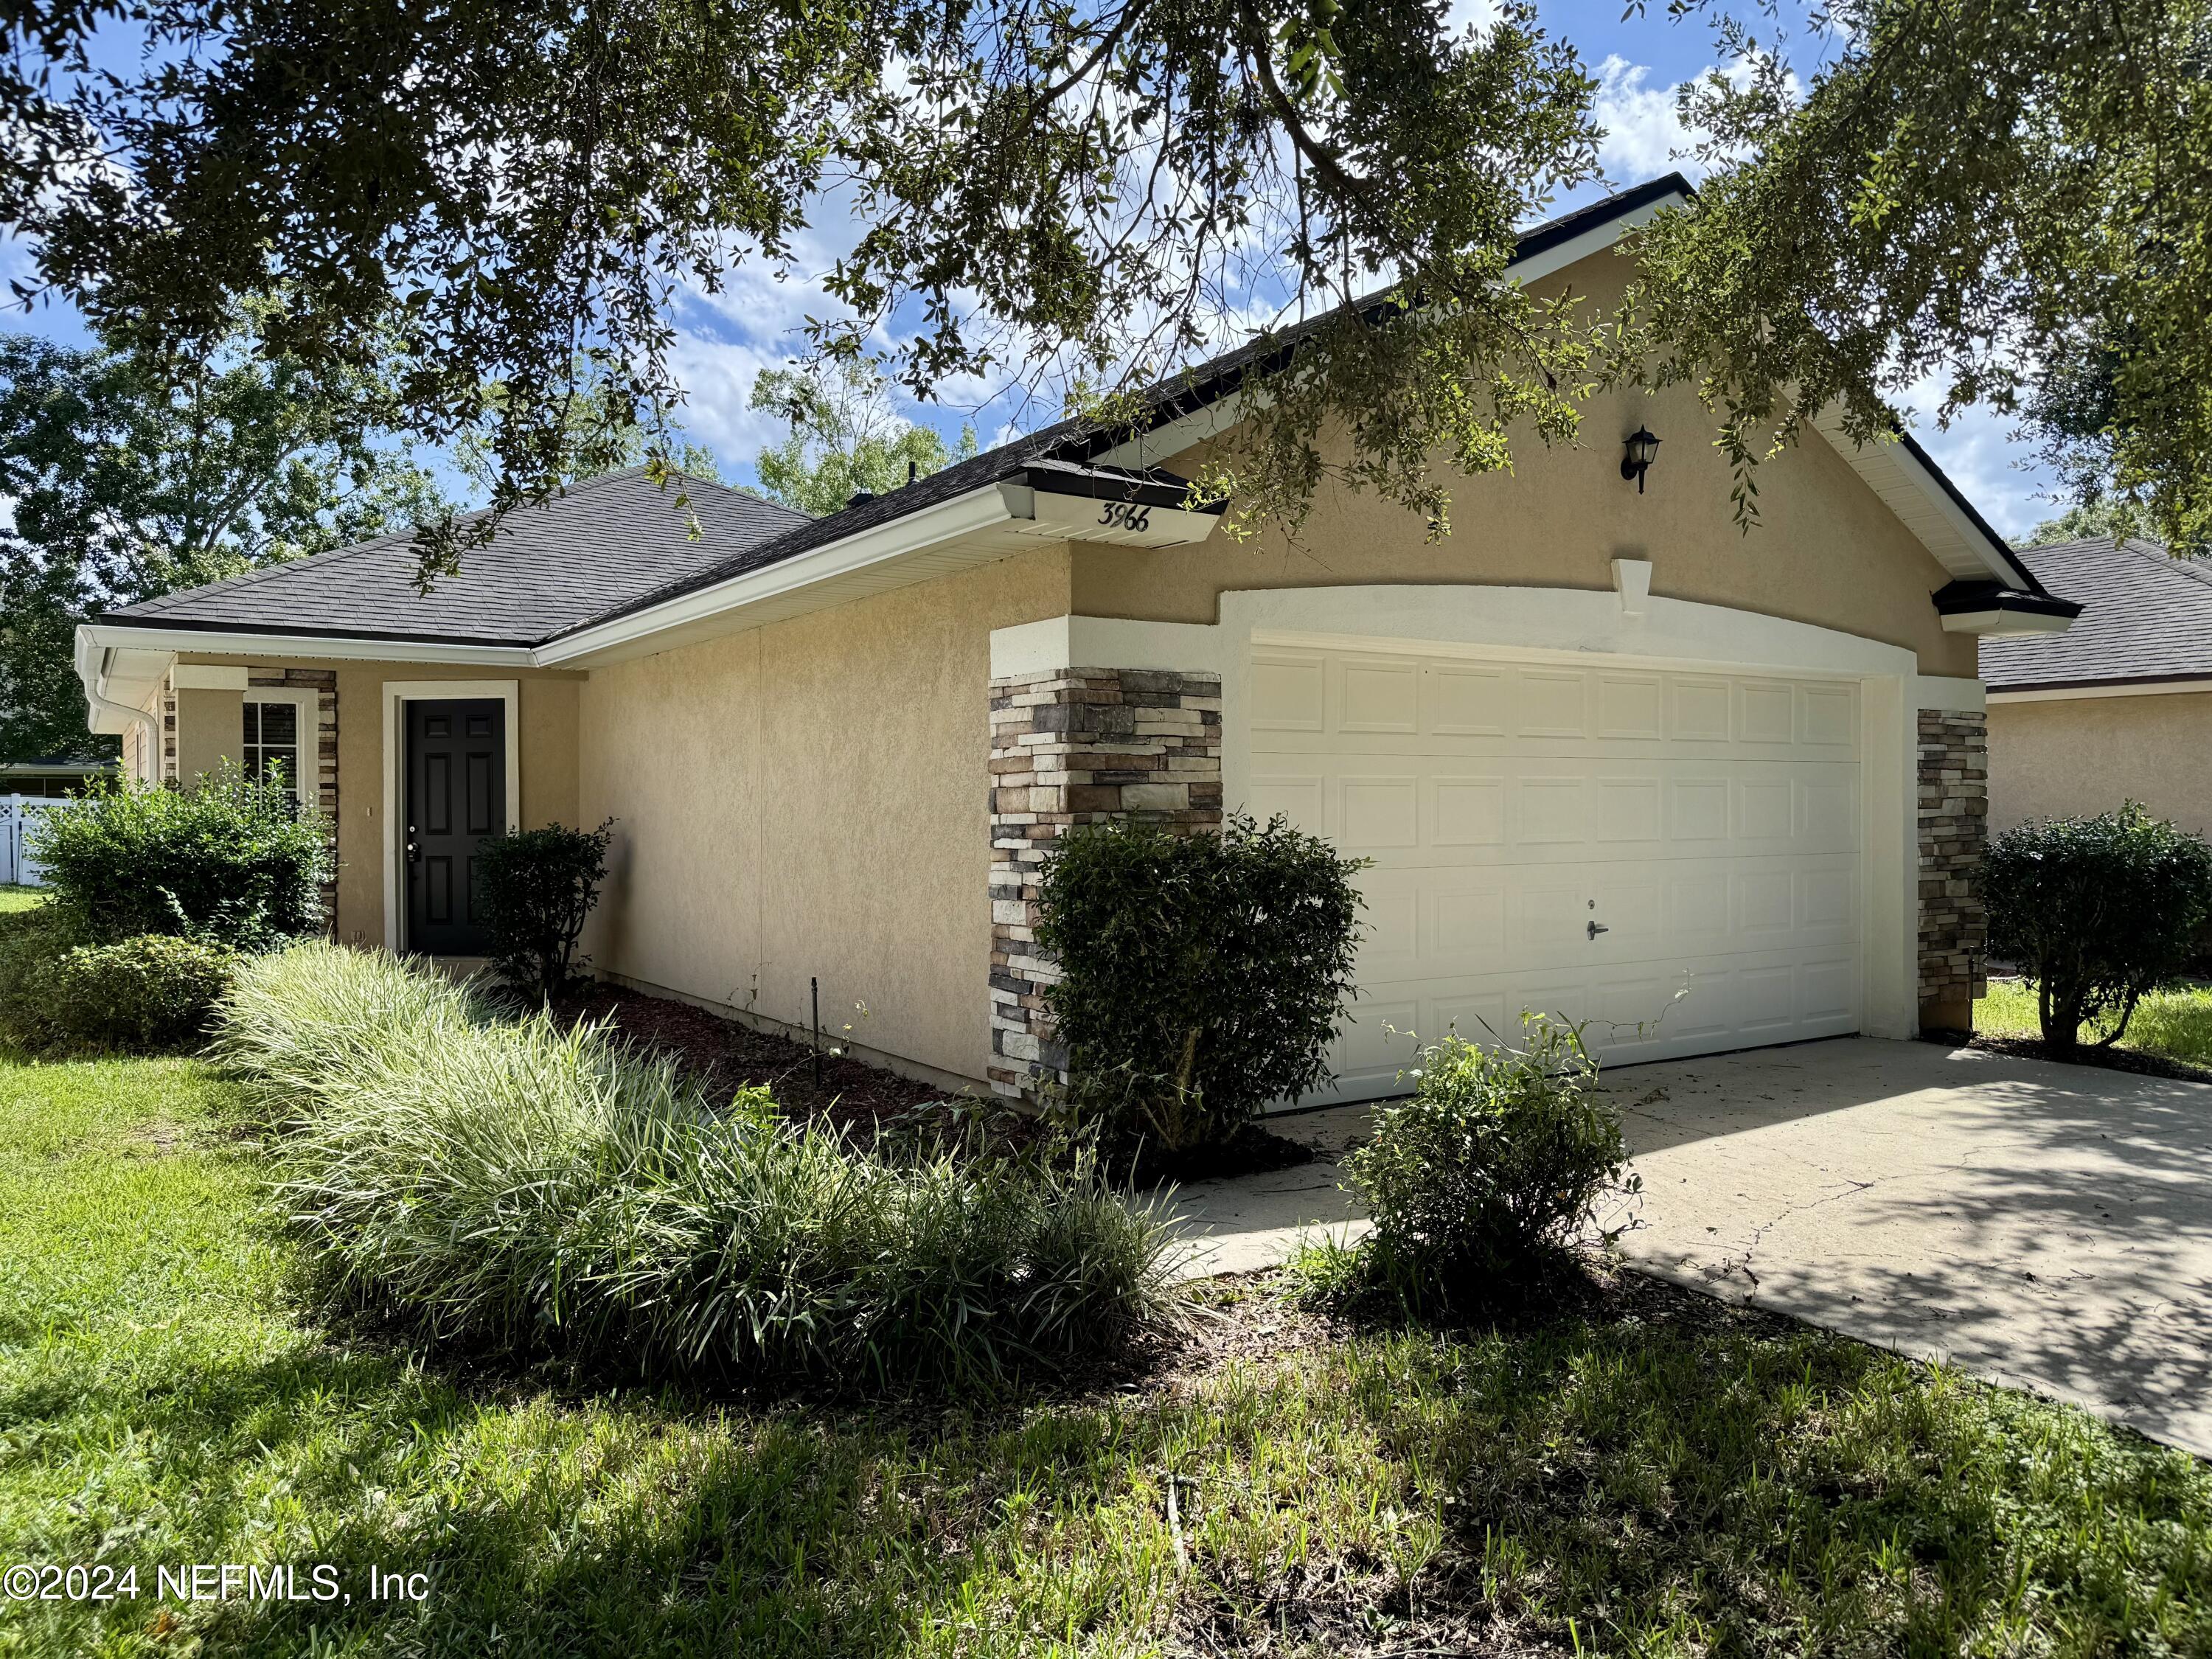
[[414, 851], [1597, 928]]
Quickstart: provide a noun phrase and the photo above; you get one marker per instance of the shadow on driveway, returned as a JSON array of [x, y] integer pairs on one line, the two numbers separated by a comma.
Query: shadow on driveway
[[2046, 1225]]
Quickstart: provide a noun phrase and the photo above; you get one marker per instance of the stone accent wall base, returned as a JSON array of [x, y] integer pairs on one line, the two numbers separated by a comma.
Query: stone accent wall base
[[1070, 746], [1953, 811]]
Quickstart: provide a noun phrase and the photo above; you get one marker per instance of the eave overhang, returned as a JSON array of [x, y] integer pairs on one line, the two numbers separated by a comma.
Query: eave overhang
[[1987, 608]]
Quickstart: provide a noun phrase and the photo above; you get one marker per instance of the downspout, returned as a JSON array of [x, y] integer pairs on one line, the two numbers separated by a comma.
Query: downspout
[[101, 705]]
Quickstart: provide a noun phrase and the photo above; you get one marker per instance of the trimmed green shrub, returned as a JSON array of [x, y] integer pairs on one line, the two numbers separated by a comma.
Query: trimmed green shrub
[[233, 861], [1480, 1184], [148, 995], [543, 1190], [1203, 976], [2098, 913], [538, 887], [28, 938]]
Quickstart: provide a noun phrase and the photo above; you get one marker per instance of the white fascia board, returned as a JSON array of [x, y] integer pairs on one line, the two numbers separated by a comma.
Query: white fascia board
[[1535, 267], [1964, 551], [269, 647], [2110, 689], [982, 508], [1997, 624]]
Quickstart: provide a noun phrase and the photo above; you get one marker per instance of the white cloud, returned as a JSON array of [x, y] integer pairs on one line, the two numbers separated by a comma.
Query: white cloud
[[1996, 472], [1644, 132], [1463, 15]]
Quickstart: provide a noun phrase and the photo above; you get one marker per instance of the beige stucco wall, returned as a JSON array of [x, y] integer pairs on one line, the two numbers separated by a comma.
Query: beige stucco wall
[[546, 756], [811, 798], [1828, 551], [2081, 755], [211, 729]]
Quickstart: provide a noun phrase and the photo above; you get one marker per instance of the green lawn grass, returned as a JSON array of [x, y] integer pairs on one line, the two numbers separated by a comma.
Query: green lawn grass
[[1652, 1476], [2177, 1024], [13, 898]]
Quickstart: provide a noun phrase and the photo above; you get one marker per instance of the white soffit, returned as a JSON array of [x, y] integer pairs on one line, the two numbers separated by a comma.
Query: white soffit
[[1921, 503]]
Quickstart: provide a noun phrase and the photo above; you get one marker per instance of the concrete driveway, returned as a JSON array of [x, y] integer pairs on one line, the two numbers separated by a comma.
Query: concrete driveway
[[2047, 1227]]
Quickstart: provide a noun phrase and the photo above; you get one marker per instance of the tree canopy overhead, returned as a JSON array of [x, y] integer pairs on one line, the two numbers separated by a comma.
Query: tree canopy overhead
[[499, 190], [2009, 195], [2009, 199]]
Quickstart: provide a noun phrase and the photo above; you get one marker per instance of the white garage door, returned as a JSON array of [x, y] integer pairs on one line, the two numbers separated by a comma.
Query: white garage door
[[1672, 856]]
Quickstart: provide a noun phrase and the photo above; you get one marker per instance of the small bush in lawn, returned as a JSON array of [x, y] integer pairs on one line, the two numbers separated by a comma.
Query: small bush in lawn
[[546, 1190], [148, 995], [2098, 913], [538, 887], [1481, 1181], [1202, 976], [233, 861]]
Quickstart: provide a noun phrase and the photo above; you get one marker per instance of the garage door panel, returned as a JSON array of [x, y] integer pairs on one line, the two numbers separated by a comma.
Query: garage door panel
[[1467, 925], [1379, 695], [1708, 822], [1468, 812], [1303, 800], [1465, 701], [1380, 813], [1289, 693], [1628, 810], [1632, 706], [1551, 704], [1552, 812]]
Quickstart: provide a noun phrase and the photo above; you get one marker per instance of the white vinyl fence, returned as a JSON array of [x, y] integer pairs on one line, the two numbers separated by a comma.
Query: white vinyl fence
[[17, 814]]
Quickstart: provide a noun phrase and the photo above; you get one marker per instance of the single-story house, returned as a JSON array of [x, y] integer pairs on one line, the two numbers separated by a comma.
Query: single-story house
[[1601, 747], [2117, 708]]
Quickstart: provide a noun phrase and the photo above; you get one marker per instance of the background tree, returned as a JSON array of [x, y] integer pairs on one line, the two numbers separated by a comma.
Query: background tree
[[134, 470], [2006, 197], [2076, 524], [845, 436]]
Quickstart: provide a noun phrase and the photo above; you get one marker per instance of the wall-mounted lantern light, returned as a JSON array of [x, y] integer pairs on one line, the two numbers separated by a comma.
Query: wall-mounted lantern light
[[1642, 448]]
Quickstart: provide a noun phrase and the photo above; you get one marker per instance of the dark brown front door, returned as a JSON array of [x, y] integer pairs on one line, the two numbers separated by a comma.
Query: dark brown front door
[[456, 796]]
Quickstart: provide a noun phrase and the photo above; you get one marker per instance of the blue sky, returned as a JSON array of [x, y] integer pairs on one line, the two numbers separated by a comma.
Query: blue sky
[[726, 339]]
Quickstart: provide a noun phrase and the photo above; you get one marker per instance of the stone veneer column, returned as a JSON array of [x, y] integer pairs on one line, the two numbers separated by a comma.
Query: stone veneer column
[[1080, 745], [1954, 806]]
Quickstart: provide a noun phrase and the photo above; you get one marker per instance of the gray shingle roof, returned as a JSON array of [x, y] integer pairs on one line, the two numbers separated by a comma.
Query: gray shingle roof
[[575, 557], [2147, 616]]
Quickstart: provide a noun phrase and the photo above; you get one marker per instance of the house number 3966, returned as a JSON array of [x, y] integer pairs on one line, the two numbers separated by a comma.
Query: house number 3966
[[1126, 515]]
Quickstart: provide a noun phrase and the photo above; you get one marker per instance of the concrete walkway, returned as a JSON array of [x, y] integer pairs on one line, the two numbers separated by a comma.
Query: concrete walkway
[[2049, 1226]]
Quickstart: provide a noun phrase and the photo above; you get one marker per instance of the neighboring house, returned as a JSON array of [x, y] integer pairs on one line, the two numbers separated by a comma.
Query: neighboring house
[[1600, 744], [2118, 707], [52, 778]]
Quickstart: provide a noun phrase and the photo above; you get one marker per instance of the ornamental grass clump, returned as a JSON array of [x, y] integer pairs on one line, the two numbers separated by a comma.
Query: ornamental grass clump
[[543, 1190]]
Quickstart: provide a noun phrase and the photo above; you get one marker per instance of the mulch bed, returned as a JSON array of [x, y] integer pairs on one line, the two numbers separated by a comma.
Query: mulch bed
[[864, 1100], [727, 1056]]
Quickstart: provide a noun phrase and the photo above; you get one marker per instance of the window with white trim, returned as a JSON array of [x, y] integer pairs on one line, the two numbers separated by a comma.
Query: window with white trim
[[280, 735]]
